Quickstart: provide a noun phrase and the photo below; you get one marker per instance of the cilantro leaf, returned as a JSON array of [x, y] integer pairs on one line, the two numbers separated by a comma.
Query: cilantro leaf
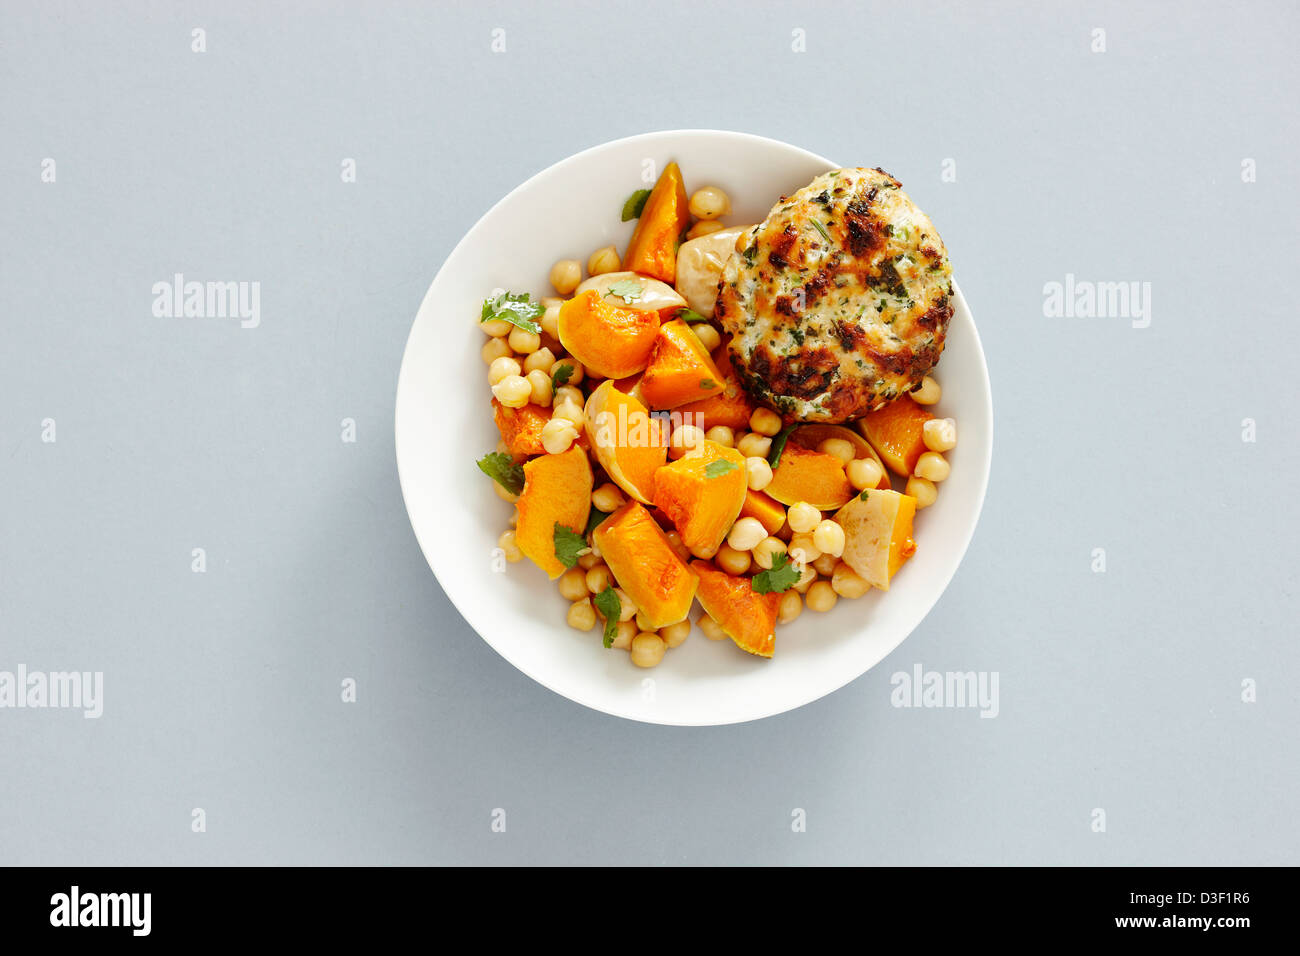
[[716, 469], [778, 445], [569, 545], [687, 314], [502, 469], [595, 518], [515, 309], [629, 290], [635, 205], [610, 607], [863, 496], [781, 577], [560, 375]]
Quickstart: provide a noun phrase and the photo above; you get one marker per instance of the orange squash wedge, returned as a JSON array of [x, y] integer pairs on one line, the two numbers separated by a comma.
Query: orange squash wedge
[[701, 494], [731, 407], [804, 475], [557, 490], [877, 534], [645, 566], [521, 428], [745, 616], [897, 433], [680, 369], [812, 435], [629, 444], [768, 511], [612, 341], [652, 250]]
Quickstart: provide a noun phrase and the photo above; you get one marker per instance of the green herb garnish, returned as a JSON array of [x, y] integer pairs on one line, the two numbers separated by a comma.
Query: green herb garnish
[[595, 518], [635, 204], [515, 309], [560, 375], [629, 290], [782, 576], [502, 469], [716, 469], [569, 545], [778, 445], [708, 383], [610, 607], [687, 314], [822, 229], [863, 496]]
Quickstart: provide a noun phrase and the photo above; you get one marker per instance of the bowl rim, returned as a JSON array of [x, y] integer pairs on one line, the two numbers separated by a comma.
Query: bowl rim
[[984, 464]]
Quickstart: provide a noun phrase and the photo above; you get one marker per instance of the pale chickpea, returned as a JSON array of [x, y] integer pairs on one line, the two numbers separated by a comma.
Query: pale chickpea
[[643, 623], [494, 349], [568, 411], [932, 466], [840, 448], [500, 368], [496, 327], [847, 583], [705, 227], [647, 649], [709, 337], [503, 494], [540, 361], [929, 393], [567, 393], [791, 606], [765, 552], [732, 560], [587, 562], [940, 434], [608, 497], [627, 608], [582, 615], [745, 534], [711, 628], [765, 422], [624, 632], [923, 490], [557, 435], [675, 635], [541, 385], [565, 276], [802, 517], [722, 435], [806, 579], [598, 578], [821, 596], [575, 374], [828, 537], [709, 203], [805, 544], [754, 445], [603, 261], [507, 544], [864, 473], [551, 300], [573, 584], [683, 439], [758, 472], [523, 341], [550, 321], [513, 391], [679, 549], [825, 565]]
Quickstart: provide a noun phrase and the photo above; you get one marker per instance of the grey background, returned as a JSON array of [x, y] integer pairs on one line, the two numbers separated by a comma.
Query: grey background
[[1119, 690]]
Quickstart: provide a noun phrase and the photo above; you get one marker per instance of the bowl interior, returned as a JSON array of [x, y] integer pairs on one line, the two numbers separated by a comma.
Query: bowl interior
[[444, 424]]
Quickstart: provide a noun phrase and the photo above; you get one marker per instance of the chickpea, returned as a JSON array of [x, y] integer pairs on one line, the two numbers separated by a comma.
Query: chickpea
[[598, 578], [806, 579], [923, 490], [496, 327], [513, 391], [825, 565], [627, 608], [573, 584], [494, 349], [507, 544], [603, 261], [765, 422], [608, 497], [684, 438], [624, 632], [550, 321], [567, 393], [675, 635], [551, 300], [732, 560], [557, 435], [940, 434], [864, 473], [722, 435], [587, 562], [932, 466], [565, 276], [647, 649], [570, 412], [500, 368], [523, 341], [759, 473], [709, 337], [582, 615], [791, 606], [846, 582], [828, 537], [503, 494], [753, 445], [745, 534], [840, 448], [679, 549], [709, 203], [803, 517], [705, 227], [821, 596], [540, 361], [805, 544], [711, 628], [765, 552], [540, 382], [643, 623], [929, 393], [575, 374]]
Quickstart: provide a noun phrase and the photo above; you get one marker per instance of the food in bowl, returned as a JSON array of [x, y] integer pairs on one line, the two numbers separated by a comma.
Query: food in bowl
[[661, 437]]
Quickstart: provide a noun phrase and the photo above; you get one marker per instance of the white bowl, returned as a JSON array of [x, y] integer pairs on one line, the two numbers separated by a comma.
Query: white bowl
[[444, 424]]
